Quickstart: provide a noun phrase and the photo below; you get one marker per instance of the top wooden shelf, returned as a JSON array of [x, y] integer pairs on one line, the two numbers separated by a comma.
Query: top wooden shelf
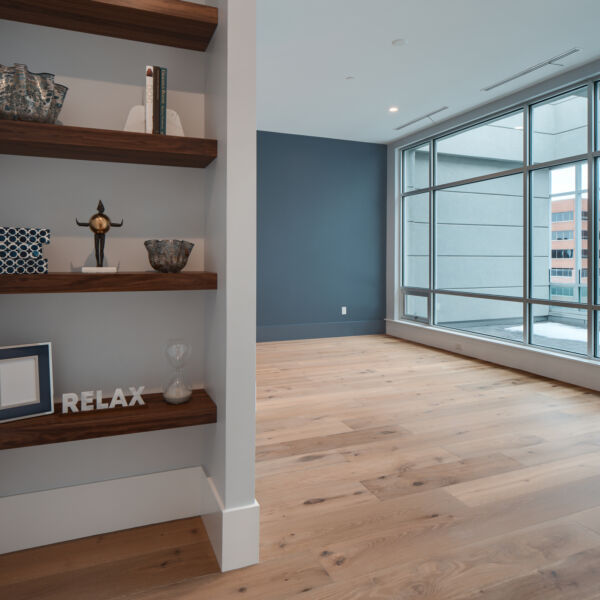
[[165, 22]]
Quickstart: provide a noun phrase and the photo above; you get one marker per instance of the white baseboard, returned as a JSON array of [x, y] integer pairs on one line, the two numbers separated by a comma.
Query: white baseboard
[[577, 371], [52, 516], [234, 533], [58, 515]]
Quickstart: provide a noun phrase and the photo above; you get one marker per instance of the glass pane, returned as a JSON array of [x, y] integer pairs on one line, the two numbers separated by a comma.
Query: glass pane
[[494, 146], [559, 233], [416, 168], [560, 328], [597, 317], [416, 307], [559, 126], [498, 318], [598, 225], [416, 241], [597, 114], [479, 237]]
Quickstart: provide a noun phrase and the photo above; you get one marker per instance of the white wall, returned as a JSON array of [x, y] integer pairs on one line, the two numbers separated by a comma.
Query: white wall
[[231, 251]]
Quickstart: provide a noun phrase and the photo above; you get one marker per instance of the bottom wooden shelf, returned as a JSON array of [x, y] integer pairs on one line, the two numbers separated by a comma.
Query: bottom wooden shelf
[[155, 415]]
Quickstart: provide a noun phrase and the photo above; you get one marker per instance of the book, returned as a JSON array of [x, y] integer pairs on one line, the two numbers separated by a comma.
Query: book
[[149, 98], [156, 100], [163, 100]]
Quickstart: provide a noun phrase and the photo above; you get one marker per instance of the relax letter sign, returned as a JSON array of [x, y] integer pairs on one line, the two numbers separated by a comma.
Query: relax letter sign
[[88, 401]]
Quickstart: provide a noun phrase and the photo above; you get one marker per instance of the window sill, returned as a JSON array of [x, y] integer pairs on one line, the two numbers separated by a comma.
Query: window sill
[[564, 367]]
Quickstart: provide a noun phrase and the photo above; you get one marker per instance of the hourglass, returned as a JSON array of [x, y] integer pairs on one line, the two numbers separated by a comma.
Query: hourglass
[[177, 391]]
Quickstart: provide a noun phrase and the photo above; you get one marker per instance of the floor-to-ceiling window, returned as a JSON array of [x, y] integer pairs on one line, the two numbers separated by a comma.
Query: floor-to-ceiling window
[[498, 225]]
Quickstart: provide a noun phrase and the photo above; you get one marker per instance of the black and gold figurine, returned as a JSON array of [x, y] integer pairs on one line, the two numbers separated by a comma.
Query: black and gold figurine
[[99, 225]]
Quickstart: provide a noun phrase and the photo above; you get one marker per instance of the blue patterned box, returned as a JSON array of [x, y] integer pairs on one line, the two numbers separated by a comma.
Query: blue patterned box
[[19, 250], [19, 266], [22, 242], [24, 235]]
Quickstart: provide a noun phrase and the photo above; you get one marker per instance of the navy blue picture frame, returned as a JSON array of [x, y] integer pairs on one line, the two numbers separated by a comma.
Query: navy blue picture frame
[[45, 406]]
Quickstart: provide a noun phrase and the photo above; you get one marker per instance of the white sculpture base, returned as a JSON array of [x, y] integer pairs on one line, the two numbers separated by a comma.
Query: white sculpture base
[[98, 269], [136, 121]]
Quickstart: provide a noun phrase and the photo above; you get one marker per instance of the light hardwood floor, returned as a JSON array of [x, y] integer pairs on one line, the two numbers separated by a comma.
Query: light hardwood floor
[[385, 470]]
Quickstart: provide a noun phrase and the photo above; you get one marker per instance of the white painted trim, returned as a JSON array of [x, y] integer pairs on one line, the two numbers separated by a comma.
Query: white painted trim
[[234, 533], [577, 371], [58, 515]]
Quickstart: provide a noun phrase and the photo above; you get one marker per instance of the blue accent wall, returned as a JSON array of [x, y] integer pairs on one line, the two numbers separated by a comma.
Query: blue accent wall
[[321, 237]]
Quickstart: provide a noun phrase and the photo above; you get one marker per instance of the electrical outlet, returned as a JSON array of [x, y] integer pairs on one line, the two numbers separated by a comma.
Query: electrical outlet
[[344, 310]]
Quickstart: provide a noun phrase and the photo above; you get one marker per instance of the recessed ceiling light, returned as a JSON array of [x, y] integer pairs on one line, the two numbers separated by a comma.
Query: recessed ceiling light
[[519, 127], [393, 109], [399, 42]]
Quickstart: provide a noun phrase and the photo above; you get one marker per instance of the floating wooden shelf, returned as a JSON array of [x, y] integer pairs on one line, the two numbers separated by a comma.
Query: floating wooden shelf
[[142, 281], [82, 143], [165, 22], [155, 415]]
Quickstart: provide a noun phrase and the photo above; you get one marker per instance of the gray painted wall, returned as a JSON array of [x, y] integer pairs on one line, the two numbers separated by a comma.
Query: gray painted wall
[[321, 237]]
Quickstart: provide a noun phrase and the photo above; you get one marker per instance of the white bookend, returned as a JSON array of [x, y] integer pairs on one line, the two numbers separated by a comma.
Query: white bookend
[[136, 121], [149, 99]]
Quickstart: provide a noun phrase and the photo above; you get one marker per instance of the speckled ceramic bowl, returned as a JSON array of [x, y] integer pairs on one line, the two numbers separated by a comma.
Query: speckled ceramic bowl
[[27, 96], [168, 256]]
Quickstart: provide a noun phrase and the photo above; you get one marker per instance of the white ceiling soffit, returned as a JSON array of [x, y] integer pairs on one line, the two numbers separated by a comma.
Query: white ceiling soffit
[[329, 68]]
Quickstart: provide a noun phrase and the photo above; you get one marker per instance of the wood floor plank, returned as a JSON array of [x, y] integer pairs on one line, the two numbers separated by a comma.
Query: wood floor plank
[[488, 444], [321, 531], [277, 579], [574, 578], [283, 502], [111, 579], [363, 460], [527, 480], [453, 574], [416, 539], [329, 442], [283, 430], [556, 450], [100, 549], [589, 518], [298, 462], [410, 481]]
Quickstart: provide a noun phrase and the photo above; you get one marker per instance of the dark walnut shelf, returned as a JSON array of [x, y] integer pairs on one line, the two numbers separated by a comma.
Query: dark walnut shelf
[[165, 22], [140, 281], [83, 143], [155, 415]]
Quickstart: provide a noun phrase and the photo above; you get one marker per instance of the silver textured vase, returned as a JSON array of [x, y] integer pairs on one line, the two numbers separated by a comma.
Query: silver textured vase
[[27, 96], [168, 256]]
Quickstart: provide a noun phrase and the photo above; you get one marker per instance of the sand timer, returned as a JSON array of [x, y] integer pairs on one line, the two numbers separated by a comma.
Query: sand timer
[[177, 391]]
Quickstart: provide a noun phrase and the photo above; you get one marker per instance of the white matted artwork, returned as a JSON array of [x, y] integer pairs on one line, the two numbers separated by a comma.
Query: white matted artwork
[[25, 381]]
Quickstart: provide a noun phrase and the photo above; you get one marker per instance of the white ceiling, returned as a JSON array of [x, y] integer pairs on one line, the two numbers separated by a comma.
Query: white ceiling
[[307, 48]]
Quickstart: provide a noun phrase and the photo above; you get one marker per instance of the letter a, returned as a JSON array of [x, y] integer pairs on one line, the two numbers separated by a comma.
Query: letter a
[[118, 399]]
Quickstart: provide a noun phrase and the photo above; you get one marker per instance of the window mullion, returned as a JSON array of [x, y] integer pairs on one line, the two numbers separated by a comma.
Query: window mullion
[[526, 233]]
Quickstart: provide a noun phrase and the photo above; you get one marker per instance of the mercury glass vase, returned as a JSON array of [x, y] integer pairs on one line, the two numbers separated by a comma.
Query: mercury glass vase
[[168, 256]]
